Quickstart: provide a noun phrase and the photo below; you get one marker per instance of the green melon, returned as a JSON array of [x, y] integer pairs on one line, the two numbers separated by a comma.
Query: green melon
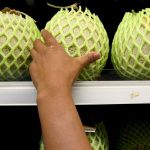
[[79, 32], [134, 135], [41, 145], [17, 33], [97, 139], [130, 53]]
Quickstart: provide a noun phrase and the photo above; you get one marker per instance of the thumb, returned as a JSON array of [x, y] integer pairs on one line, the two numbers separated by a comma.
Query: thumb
[[88, 58]]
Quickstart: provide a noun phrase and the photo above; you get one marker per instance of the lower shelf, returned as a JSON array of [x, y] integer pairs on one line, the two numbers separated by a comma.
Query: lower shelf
[[21, 130], [84, 93]]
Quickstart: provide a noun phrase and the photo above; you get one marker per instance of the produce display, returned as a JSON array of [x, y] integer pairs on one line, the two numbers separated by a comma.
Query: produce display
[[130, 53], [17, 33], [97, 139], [80, 32], [134, 135]]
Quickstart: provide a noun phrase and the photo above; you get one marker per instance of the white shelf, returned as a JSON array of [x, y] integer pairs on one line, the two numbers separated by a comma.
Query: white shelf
[[84, 93]]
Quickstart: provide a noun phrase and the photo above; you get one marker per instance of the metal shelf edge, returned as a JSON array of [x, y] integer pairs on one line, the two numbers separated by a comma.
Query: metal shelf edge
[[84, 93]]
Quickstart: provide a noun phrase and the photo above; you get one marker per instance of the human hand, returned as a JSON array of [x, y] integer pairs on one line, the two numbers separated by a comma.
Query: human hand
[[52, 68]]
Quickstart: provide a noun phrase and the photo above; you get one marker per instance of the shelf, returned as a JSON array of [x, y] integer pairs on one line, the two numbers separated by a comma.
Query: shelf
[[84, 93]]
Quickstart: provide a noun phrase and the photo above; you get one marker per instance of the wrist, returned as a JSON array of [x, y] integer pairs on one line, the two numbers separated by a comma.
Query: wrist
[[53, 93]]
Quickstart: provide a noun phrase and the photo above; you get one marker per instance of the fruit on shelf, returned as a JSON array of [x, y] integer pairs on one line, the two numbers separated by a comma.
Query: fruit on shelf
[[130, 53], [134, 135], [41, 145], [17, 33], [97, 139], [80, 32]]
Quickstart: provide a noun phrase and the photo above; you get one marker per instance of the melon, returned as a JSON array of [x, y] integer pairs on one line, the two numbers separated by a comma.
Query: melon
[[17, 34], [80, 32], [130, 53], [134, 135], [99, 138]]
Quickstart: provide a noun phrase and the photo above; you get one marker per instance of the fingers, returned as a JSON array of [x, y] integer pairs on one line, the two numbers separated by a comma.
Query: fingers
[[32, 70], [38, 45], [88, 58], [49, 39], [34, 54]]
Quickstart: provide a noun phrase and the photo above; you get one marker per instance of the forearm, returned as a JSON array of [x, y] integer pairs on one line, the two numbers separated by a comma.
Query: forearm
[[61, 125], [51, 67]]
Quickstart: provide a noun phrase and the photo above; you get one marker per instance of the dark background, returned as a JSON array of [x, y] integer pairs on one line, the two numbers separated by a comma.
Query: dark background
[[20, 126]]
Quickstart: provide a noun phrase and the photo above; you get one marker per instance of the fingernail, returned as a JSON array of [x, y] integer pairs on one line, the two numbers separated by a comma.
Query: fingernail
[[42, 30], [97, 55]]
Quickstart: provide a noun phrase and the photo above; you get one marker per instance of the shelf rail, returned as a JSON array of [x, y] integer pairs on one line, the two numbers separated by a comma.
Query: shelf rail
[[84, 93]]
